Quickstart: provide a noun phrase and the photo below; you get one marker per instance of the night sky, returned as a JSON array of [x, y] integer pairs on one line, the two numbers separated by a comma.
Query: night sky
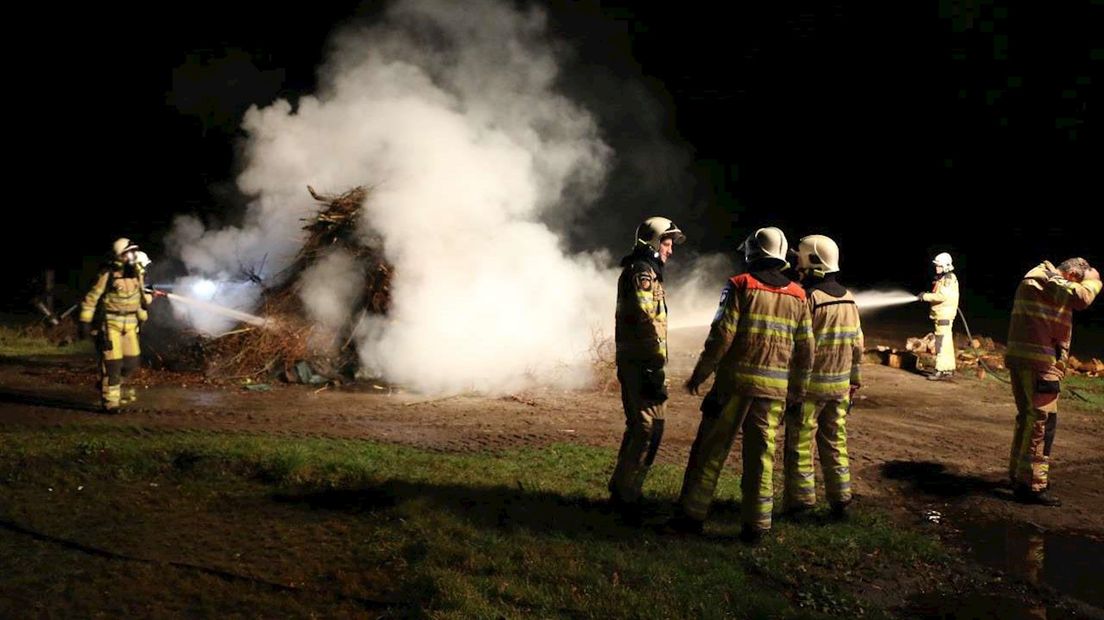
[[900, 131]]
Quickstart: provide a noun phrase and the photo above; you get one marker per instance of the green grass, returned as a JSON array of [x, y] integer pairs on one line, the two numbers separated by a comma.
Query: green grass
[[1091, 389], [19, 343], [514, 534]]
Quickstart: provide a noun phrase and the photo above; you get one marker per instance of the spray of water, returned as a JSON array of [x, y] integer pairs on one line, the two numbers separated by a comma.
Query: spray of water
[[220, 311], [868, 301]]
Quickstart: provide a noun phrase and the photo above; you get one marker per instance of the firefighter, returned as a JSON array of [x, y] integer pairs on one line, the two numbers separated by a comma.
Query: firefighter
[[760, 347], [1038, 348], [142, 262], [944, 306], [641, 342], [112, 311], [835, 377]]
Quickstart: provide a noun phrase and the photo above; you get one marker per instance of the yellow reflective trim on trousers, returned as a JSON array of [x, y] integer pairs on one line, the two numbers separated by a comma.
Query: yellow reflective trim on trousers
[[800, 482], [714, 442], [837, 469], [1025, 472], [756, 481]]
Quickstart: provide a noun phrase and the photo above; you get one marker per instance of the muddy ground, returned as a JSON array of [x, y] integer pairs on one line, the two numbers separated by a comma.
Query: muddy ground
[[933, 453]]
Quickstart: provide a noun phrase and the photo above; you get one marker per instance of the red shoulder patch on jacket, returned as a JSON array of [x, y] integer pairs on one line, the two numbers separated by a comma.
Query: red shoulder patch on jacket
[[745, 281]]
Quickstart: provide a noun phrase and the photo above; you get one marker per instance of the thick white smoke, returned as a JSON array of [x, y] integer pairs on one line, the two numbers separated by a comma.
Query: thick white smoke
[[694, 288], [331, 288], [450, 111]]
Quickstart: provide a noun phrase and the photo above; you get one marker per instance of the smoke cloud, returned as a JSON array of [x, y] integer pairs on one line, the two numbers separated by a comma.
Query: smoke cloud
[[694, 287], [331, 288], [450, 112]]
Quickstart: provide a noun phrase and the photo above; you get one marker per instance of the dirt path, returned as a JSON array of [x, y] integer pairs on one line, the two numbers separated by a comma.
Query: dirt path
[[913, 443]]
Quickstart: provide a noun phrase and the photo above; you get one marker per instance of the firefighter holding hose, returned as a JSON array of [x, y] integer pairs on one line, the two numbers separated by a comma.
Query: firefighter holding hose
[[944, 306], [112, 311]]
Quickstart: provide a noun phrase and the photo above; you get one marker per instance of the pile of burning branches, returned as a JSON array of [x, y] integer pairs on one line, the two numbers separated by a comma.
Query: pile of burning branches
[[289, 345]]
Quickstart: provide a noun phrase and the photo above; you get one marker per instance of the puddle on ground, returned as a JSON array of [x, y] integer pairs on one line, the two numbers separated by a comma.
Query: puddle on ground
[[1070, 564], [1066, 563]]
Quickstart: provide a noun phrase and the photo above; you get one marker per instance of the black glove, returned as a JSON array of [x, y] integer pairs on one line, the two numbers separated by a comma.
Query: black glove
[[655, 385], [83, 329], [793, 408], [711, 405]]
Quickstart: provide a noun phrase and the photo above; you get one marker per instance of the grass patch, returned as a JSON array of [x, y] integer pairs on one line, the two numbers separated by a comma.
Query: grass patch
[[15, 342], [1091, 390], [350, 523]]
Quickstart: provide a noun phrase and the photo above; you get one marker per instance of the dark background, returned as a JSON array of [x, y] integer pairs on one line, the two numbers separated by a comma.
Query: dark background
[[963, 126]]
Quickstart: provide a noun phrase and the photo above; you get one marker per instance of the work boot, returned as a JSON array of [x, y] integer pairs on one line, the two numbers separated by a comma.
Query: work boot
[[839, 511], [129, 396], [682, 525], [109, 407], [629, 513], [751, 535], [1025, 495], [797, 513]]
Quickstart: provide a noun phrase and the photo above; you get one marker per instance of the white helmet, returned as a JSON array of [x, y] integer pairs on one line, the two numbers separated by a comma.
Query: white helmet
[[769, 242], [142, 259], [654, 230], [818, 253], [122, 245], [942, 262]]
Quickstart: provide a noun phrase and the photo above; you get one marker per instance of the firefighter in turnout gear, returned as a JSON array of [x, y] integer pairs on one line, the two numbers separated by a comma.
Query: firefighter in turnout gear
[[835, 377], [760, 347], [113, 311], [1038, 349], [641, 341], [944, 300]]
